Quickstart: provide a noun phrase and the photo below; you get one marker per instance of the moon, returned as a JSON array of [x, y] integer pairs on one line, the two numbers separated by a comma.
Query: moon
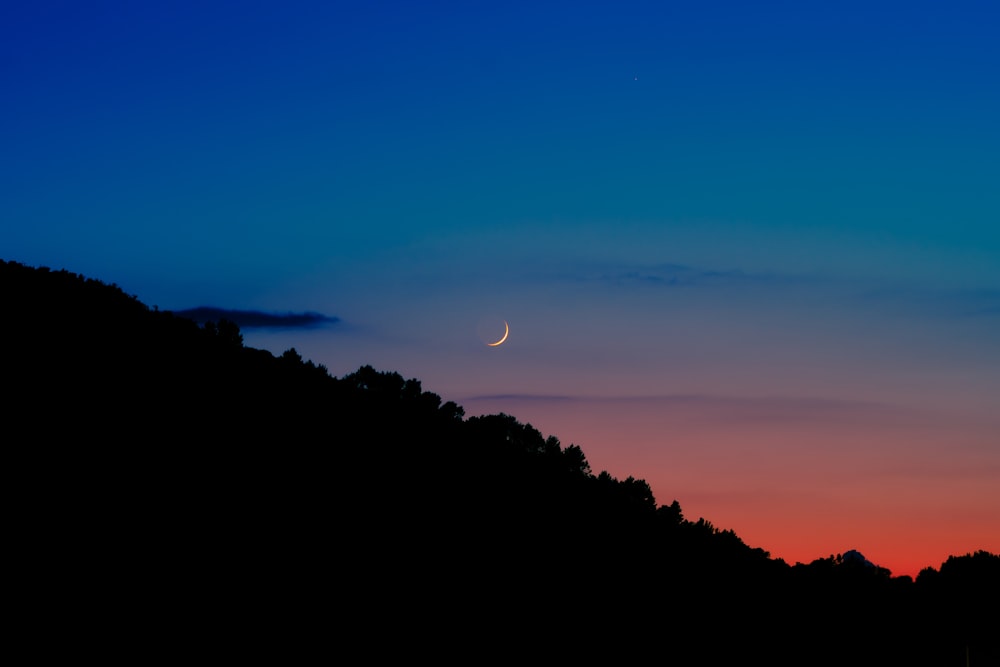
[[506, 332]]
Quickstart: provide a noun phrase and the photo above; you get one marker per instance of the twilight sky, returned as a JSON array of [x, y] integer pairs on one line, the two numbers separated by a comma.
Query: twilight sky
[[748, 251]]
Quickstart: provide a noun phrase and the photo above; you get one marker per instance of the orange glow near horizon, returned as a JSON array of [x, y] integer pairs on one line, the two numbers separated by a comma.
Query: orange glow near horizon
[[800, 491]]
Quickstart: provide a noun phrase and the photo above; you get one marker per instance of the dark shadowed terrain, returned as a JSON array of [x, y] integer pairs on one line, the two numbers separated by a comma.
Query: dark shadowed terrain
[[177, 494]]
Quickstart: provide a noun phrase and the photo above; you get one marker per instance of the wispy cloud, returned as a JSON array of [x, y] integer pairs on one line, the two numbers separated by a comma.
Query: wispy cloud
[[680, 275], [981, 303], [664, 274], [948, 302], [889, 295], [255, 319], [721, 407]]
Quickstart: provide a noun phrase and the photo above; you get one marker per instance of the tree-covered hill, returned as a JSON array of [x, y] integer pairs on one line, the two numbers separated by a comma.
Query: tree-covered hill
[[178, 493]]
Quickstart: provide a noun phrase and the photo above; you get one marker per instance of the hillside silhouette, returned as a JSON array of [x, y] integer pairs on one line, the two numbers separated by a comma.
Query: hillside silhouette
[[180, 494]]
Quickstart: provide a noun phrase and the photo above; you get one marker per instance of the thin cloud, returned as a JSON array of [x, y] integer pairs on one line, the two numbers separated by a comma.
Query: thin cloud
[[679, 275], [730, 409], [255, 319], [982, 303], [671, 275], [954, 302], [888, 295]]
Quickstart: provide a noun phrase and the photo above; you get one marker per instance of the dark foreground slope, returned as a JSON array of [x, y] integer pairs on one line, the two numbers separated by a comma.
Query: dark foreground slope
[[180, 494]]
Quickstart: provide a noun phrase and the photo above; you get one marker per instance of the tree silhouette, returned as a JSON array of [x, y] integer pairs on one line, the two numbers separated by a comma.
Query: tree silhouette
[[202, 493]]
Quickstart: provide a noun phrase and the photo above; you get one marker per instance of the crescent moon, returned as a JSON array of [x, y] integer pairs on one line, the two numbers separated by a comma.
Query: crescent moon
[[506, 332]]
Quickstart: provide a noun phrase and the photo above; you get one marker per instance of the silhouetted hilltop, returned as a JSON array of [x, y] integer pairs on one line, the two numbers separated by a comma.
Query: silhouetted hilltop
[[180, 491]]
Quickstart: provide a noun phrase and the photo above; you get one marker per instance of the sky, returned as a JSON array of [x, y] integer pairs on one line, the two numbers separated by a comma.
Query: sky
[[748, 252]]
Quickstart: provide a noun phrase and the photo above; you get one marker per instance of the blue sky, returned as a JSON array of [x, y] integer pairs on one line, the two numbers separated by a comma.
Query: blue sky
[[734, 201]]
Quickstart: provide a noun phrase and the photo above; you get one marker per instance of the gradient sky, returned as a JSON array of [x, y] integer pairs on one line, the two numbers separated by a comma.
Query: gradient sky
[[749, 252]]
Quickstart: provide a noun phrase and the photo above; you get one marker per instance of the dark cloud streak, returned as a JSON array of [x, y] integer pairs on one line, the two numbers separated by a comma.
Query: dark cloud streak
[[255, 319]]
